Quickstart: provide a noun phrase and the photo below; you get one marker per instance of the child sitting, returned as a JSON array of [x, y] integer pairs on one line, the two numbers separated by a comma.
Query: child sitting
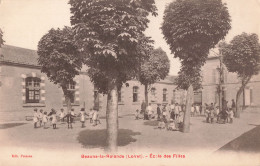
[[161, 124], [171, 125]]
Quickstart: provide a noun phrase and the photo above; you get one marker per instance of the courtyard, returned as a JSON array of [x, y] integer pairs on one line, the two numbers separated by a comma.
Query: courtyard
[[135, 136]]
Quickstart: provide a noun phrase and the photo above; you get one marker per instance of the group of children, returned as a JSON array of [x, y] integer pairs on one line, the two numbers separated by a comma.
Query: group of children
[[43, 118], [169, 116], [212, 112]]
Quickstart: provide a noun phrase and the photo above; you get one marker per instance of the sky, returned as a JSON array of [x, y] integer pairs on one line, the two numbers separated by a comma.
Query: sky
[[24, 22]]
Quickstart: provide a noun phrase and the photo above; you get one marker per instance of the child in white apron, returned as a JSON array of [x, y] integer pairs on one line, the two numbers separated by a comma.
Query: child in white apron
[[35, 118], [54, 119], [62, 115], [40, 116], [44, 119], [82, 115]]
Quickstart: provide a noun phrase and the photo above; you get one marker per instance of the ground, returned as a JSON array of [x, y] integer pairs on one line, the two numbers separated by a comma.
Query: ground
[[137, 136]]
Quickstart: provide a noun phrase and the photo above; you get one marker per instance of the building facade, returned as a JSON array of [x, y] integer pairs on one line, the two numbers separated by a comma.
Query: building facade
[[23, 87], [209, 93]]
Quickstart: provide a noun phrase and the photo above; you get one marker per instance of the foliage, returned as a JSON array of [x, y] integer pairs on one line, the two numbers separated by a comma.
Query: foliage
[[59, 56], [1, 38], [192, 28], [110, 33], [155, 68], [242, 55]]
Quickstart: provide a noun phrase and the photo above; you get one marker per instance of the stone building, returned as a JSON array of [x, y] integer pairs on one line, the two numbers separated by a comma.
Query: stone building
[[209, 93], [23, 87]]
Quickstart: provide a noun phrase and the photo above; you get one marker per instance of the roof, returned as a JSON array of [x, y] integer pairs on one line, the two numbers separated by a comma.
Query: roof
[[169, 79], [24, 56], [18, 55]]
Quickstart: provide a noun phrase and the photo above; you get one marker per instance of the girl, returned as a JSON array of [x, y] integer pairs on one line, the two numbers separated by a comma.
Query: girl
[[54, 119], [171, 125], [161, 124], [40, 116], [82, 115], [44, 119], [35, 118], [62, 114], [69, 117], [96, 118], [91, 113]]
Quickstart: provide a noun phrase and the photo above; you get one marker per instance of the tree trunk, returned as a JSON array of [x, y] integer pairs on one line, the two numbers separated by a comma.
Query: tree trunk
[[68, 103], [112, 117], [239, 92], [186, 120], [146, 94]]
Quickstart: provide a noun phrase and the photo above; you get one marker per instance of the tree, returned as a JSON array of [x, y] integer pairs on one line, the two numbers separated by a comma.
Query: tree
[[155, 68], [192, 28], [60, 59], [110, 34], [1, 38], [242, 56]]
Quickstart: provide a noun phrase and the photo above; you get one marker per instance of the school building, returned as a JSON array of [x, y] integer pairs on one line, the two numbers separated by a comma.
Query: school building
[[23, 87], [209, 94]]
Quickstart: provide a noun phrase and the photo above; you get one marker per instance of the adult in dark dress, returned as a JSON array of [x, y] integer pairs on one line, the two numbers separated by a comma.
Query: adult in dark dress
[[158, 112]]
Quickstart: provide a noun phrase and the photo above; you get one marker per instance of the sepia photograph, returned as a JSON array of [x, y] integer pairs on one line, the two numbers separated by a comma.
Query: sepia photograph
[[130, 82]]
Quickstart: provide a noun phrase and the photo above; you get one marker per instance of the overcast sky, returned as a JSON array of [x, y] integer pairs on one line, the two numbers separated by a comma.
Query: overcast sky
[[24, 22]]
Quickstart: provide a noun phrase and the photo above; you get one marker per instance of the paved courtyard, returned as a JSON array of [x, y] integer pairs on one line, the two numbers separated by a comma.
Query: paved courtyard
[[134, 136]]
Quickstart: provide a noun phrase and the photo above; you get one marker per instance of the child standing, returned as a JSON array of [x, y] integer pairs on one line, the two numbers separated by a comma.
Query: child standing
[[91, 113], [231, 116], [62, 114], [69, 117], [40, 117], [35, 118], [54, 119], [44, 119], [192, 110], [137, 114], [82, 115], [96, 118]]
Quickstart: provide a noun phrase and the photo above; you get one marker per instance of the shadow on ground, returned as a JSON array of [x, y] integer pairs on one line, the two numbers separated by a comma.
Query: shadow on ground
[[97, 138], [247, 142], [151, 123], [10, 125]]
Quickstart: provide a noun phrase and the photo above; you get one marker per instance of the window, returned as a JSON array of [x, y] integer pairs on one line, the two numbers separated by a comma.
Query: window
[[119, 96], [153, 91], [153, 94], [32, 89], [135, 94], [71, 87], [164, 94]]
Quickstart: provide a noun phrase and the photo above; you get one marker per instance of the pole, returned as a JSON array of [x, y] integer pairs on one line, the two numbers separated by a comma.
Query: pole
[[220, 82]]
